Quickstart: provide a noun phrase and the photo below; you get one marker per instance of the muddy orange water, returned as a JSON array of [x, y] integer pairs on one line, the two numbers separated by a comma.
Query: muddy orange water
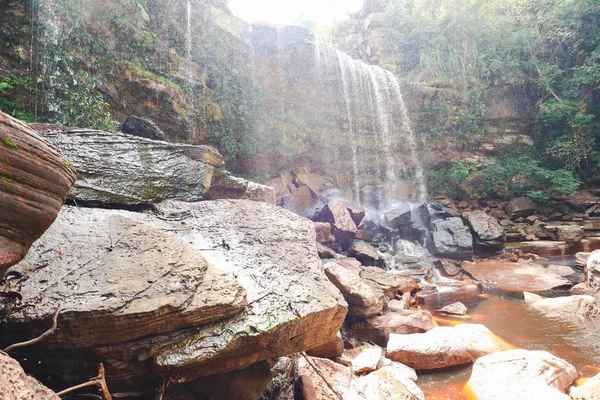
[[577, 342]]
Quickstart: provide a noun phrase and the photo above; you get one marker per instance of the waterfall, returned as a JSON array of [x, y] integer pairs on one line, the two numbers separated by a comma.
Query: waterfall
[[188, 32], [352, 116]]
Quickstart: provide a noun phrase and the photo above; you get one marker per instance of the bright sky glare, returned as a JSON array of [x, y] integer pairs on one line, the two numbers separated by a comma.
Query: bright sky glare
[[288, 12]]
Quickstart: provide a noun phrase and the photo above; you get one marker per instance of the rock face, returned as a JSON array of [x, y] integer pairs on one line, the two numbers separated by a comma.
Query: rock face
[[16, 384], [342, 225], [142, 127], [590, 390], [488, 232], [452, 238], [520, 207], [516, 276], [568, 306], [34, 182], [444, 346], [122, 169], [271, 253], [521, 375]]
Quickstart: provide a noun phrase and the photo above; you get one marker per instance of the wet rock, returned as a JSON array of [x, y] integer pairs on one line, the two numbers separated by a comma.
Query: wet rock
[[444, 346], [561, 270], [542, 248], [323, 231], [363, 300], [364, 235], [364, 252], [377, 329], [34, 182], [357, 213], [520, 207], [247, 384], [123, 282], [362, 359], [342, 225], [592, 271], [457, 308], [521, 375], [399, 217], [589, 244], [437, 211], [390, 284], [115, 168], [268, 250], [517, 277], [568, 306], [388, 381], [16, 384], [142, 127], [488, 232], [530, 298], [565, 233], [225, 186], [326, 252], [300, 201], [452, 238], [315, 182], [350, 263], [449, 268], [331, 349], [590, 390]]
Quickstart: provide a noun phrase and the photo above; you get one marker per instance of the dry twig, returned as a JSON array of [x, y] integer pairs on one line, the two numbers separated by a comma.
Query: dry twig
[[39, 338], [98, 381]]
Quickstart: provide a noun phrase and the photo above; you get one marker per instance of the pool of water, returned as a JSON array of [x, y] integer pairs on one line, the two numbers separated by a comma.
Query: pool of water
[[509, 317]]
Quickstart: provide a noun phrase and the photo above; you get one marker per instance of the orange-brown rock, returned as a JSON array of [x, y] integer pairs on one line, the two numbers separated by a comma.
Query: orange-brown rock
[[333, 348], [16, 384], [35, 180]]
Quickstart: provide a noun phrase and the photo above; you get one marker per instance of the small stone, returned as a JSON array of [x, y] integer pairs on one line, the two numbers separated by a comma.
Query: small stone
[[457, 308]]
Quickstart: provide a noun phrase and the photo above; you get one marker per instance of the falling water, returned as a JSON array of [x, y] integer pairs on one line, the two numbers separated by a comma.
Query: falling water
[[189, 30]]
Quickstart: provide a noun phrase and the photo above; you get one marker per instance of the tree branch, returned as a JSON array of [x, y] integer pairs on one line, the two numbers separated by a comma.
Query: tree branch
[[39, 338]]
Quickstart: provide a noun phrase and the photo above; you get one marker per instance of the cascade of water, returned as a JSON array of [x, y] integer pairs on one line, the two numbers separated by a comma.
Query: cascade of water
[[188, 41], [378, 135]]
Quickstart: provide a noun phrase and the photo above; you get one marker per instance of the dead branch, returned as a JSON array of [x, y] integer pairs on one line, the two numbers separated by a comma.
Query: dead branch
[[322, 376], [99, 382], [39, 338]]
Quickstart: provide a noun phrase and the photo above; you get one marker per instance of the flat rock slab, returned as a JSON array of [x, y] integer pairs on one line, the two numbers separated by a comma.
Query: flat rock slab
[[16, 384], [568, 307], [115, 168], [117, 280], [292, 307], [517, 277], [444, 346], [520, 375]]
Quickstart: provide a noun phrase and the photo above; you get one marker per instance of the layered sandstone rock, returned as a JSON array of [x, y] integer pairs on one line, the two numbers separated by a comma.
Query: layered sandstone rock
[[35, 180]]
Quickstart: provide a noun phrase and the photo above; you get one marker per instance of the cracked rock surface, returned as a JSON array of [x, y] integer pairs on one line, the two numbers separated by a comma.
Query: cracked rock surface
[[264, 249]]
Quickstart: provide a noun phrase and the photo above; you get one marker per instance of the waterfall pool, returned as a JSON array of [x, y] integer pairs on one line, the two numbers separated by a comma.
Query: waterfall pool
[[507, 315]]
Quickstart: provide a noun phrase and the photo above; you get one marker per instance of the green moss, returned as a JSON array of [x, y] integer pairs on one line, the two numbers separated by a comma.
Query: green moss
[[10, 144], [67, 162]]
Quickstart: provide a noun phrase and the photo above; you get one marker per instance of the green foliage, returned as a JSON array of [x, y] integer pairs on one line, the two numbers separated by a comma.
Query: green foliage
[[515, 174], [9, 85], [446, 180]]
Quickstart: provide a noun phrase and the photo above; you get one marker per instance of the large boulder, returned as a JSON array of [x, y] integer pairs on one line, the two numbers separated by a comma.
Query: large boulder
[[363, 300], [590, 390], [519, 276], [35, 180], [377, 329], [520, 375], [15, 384], [342, 225], [568, 307], [444, 346], [364, 252], [399, 217], [116, 168], [488, 232], [452, 238], [269, 251], [142, 127], [520, 207]]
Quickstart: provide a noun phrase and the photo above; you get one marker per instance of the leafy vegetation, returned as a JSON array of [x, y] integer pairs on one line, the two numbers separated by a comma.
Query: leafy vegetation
[[548, 50], [447, 180]]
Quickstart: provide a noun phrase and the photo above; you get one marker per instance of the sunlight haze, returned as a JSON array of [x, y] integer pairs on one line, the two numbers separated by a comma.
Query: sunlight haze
[[289, 12]]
